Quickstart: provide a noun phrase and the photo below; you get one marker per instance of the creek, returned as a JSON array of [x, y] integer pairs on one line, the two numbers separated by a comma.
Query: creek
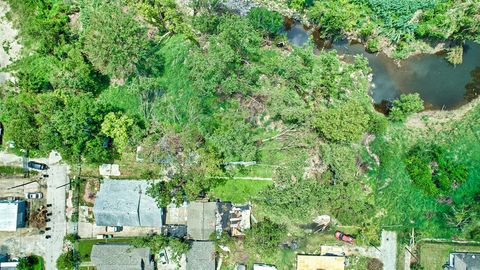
[[440, 84]]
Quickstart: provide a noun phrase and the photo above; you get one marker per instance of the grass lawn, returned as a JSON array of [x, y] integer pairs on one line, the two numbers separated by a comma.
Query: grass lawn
[[435, 255], [84, 246], [239, 191]]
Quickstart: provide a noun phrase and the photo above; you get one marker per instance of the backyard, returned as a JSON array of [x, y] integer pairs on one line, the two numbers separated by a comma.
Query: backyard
[[239, 191]]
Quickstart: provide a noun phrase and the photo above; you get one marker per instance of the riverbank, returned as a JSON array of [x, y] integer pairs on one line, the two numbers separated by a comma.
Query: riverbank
[[437, 119]]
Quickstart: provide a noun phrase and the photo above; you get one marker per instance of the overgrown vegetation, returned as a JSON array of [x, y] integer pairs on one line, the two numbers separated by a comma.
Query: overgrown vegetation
[[205, 93]]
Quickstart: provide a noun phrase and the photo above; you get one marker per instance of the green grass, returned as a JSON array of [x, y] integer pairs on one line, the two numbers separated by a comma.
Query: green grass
[[121, 99], [9, 170], [84, 246], [357, 263], [239, 191], [434, 255]]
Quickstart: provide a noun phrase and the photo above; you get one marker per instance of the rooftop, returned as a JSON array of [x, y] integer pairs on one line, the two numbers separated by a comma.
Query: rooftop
[[201, 256], [125, 203], [201, 220], [120, 257], [311, 262], [464, 261], [12, 215], [263, 267]]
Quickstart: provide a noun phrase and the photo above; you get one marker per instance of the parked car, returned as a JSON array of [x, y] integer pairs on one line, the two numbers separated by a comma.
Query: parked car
[[343, 237], [114, 228], [163, 257], [1, 133], [33, 195], [104, 236], [37, 165]]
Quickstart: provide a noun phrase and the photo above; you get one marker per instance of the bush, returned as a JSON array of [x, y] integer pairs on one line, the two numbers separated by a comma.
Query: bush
[[344, 123], [405, 106], [29, 263], [372, 45], [269, 22], [265, 237], [66, 261]]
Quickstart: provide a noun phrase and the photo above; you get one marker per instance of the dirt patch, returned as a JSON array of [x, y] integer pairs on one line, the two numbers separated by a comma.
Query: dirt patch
[[91, 188]]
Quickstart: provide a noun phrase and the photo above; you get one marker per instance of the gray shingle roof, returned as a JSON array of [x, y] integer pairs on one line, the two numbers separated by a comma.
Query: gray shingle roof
[[201, 256], [201, 220], [464, 261], [125, 203], [120, 257]]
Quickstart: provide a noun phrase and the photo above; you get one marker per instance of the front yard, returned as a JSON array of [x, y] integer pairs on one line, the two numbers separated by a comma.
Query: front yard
[[435, 255]]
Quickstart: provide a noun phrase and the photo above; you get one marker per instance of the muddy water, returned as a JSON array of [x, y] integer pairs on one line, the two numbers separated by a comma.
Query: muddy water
[[440, 84]]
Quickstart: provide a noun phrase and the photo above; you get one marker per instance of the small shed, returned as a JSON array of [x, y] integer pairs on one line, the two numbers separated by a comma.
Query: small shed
[[201, 220], [126, 203], [121, 257], [312, 262], [201, 256], [12, 214]]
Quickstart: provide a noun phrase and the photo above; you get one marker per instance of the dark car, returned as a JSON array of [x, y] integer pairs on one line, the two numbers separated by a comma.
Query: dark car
[[343, 237], [1, 133], [37, 165]]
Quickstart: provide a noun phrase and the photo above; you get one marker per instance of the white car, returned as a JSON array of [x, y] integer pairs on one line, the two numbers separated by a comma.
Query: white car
[[33, 195]]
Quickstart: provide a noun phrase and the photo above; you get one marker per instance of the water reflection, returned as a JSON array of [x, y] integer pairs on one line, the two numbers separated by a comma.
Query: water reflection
[[440, 84]]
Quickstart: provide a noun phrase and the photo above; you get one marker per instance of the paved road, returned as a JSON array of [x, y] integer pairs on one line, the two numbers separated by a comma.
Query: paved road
[[56, 197], [389, 250]]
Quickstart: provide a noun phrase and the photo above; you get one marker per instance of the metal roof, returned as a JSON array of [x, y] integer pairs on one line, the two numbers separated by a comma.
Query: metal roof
[[12, 215], [201, 220], [312, 262], [120, 257], [125, 203], [201, 256]]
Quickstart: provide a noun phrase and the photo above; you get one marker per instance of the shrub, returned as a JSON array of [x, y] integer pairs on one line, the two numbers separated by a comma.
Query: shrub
[[265, 237], [344, 123], [405, 106], [269, 22], [372, 45]]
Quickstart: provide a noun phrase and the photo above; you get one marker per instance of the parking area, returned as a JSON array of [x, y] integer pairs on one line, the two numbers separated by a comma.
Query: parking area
[[37, 239]]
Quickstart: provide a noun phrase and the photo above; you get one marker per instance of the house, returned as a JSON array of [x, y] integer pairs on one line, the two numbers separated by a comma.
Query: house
[[126, 203], [8, 265], [201, 220], [121, 257], [263, 267], [233, 218], [201, 256], [463, 261], [12, 214], [324, 262]]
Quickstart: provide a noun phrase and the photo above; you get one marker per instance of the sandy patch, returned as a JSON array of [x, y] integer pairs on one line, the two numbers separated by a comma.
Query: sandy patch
[[9, 47]]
